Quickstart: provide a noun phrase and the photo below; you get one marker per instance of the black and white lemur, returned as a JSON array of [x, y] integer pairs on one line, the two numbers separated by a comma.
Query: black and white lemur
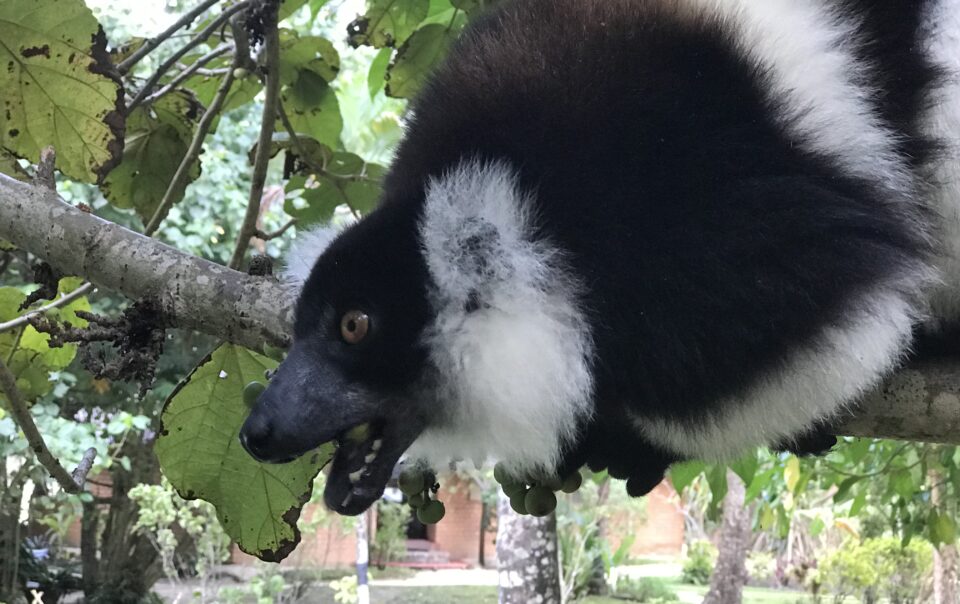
[[629, 232]]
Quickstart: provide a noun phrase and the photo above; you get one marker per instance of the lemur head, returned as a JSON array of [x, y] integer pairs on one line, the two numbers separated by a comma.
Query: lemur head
[[440, 323]]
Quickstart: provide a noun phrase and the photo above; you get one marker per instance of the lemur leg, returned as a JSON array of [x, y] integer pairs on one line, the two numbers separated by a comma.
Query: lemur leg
[[817, 440]]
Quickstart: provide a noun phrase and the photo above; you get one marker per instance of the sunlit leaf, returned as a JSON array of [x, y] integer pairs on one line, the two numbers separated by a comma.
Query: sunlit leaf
[[377, 76], [683, 474], [313, 108], [200, 454], [387, 22], [311, 53], [54, 89]]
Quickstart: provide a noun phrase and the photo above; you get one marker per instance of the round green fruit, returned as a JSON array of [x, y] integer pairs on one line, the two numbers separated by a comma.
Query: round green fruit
[[540, 501], [411, 481], [552, 482], [513, 488], [240, 73], [431, 513], [572, 483], [417, 500], [518, 502], [252, 392], [500, 474]]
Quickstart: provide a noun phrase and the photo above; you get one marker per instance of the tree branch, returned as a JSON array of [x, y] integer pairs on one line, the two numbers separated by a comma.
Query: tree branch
[[152, 43], [61, 301], [192, 292], [189, 71], [193, 152], [265, 236], [262, 159], [21, 414], [198, 39]]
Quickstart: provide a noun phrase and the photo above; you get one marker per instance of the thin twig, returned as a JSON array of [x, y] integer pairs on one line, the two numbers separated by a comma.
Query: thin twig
[[155, 41], [302, 152], [262, 158], [166, 65], [21, 414], [61, 301], [45, 175], [189, 71], [196, 145], [264, 236]]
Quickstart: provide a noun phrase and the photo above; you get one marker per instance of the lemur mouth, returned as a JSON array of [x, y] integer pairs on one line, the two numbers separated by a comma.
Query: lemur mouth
[[363, 464]]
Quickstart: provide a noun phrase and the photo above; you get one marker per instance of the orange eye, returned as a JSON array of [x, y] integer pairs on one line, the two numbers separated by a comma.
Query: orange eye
[[354, 326]]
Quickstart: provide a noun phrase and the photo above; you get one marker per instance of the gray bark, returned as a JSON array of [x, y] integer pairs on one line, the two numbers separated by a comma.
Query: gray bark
[[527, 563], [921, 402], [193, 292], [730, 573]]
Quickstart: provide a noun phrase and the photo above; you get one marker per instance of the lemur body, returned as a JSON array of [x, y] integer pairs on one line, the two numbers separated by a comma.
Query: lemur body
[[627, 232]]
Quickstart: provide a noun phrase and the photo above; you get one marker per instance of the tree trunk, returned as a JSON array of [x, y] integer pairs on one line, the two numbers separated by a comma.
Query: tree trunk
[[944, 556], [730, 573], [529, 572], [598, 577]]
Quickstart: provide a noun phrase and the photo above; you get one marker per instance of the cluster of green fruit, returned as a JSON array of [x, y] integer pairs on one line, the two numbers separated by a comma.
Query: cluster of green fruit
[[534, 496], [418, 484], [251, 392]]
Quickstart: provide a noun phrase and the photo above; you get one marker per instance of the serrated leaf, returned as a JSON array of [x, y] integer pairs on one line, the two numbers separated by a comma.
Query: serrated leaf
[[377, 76], [313, 108], [683, 474], [387, 22], [54, 87], [311, 53], [199, 452], [158, 137], [416, 59]]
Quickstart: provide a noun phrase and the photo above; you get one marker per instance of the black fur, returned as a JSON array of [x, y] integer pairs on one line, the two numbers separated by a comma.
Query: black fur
[[710, 244]]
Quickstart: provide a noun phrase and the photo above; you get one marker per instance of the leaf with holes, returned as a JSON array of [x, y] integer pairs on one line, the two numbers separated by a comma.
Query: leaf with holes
[[200, 454], [205, 87], [11, 167], [313, 108], [54, 87], [158, 137], [416, 59], [387, 22], [311, 53]]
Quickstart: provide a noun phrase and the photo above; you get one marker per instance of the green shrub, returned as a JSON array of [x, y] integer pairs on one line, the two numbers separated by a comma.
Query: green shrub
[[390, 539], [648, 590], [761, 568], [879, 567], [697, 568]]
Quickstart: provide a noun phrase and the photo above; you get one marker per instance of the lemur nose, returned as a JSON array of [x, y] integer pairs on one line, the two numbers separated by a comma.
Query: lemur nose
[[255, 436]]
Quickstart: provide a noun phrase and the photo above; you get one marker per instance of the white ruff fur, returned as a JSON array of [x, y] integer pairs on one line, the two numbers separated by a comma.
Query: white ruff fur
[[514, 374], [820, 90], [816, 382], [943, 122], [304, 252]]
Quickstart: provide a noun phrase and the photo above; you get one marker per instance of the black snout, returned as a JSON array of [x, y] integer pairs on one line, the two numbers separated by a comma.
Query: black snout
[[255, 437]]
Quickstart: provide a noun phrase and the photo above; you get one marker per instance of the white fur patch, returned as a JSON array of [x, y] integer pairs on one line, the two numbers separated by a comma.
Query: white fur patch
[[942, 121], [818, 381], [820, 89], [515, 372], [304, 252]]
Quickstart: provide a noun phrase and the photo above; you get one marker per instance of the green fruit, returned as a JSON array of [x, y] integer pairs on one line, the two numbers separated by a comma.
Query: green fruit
[[500, 474], [411, 481], [431, 513], [418, 500], [552, 482], [240, 73], [518, 502], [540, 501], [513, 488], [572, 483], [358, 434], [252, 392]]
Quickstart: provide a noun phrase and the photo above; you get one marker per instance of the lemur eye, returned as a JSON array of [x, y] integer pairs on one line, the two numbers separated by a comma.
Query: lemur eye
[[354, 326]]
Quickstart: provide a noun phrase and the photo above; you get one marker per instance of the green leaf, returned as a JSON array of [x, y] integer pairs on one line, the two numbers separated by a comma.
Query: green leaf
[[416, 59], [901, 483], [791, 473], [717, 479], [11, 167], [683, 474], [387, 22], [746, 468], [157, 141], [54, 87], [242, 91], [816, 527], [288, 7], [377, 76], [843, 491], [313, 108], [199, 452], [858, 503], [857, 449], [315, 199], [311, 53], [760, 482]]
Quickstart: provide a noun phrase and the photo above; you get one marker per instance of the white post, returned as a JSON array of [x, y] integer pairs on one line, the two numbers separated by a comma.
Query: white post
[[363, 559]]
